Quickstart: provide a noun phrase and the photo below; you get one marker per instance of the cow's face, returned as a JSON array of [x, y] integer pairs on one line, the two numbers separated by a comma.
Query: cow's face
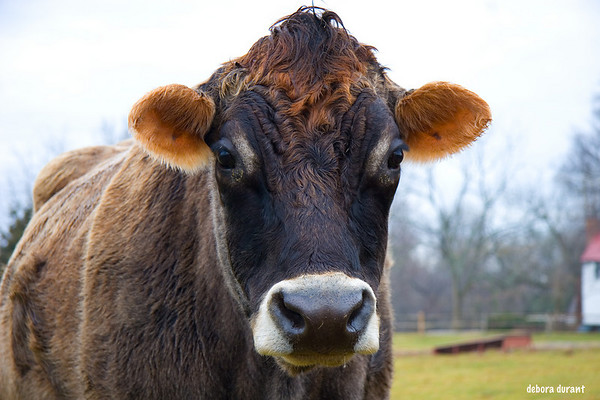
[[303, 190], [306, 224]]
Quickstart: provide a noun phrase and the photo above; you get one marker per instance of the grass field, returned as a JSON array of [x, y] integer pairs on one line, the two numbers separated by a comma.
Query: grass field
[[495, 374]]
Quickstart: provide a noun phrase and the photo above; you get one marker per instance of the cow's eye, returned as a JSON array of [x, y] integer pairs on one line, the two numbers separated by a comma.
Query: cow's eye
[[395, 158], [225, 159]]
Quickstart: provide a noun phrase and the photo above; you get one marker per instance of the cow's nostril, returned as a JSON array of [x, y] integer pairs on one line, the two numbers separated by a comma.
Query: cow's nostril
[[289, 315], [361, 313]]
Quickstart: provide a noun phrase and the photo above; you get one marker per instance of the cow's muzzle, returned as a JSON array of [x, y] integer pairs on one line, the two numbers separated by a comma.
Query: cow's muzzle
[[317, 320]]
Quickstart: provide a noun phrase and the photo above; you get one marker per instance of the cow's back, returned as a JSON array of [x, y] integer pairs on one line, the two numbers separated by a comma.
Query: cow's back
[[69, 166], [40, 290]]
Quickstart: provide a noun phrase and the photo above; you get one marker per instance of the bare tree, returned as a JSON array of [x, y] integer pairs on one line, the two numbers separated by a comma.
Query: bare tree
[[543, 257], [580, 173], [463, 229], [579, 177], [416, 285]]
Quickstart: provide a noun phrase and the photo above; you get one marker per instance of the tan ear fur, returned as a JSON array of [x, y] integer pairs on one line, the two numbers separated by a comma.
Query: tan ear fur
[[440, 119], [170, 122]]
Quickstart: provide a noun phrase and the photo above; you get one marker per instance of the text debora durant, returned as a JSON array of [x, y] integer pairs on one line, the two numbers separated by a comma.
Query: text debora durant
[[555, 389]]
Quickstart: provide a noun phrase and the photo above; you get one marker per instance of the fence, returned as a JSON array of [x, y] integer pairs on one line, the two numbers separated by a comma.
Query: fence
[[421, 322]]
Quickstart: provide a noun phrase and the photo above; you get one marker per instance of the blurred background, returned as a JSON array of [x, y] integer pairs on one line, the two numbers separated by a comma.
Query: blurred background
[[490, 239]]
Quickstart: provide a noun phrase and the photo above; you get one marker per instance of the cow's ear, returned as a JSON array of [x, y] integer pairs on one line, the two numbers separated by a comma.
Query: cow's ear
[[170, 122], [439, 119]]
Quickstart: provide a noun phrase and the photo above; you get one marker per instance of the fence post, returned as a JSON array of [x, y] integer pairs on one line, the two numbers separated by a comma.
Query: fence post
[[421, 322], [484, 322]]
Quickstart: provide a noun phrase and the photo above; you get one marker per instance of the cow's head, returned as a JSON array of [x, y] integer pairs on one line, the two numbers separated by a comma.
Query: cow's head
[[305, 135]]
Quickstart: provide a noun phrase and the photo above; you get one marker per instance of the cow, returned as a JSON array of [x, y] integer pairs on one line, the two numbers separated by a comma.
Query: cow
[[235, 249]]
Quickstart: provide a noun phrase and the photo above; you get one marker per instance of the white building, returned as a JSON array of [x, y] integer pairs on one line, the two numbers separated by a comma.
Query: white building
[[590, 284]]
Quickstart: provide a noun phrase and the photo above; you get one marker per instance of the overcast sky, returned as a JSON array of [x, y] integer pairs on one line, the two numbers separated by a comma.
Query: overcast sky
[[69, 66]]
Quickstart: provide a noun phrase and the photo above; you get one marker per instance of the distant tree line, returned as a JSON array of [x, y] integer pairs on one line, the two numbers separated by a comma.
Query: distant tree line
[[19, 216], [496, 249]]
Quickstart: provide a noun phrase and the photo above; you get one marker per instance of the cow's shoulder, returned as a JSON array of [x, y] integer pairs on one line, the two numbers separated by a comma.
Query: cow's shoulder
[[69, 166]]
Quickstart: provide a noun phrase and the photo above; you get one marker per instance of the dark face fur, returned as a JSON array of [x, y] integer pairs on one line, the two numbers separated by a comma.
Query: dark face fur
[[308, 204], [300, 202]]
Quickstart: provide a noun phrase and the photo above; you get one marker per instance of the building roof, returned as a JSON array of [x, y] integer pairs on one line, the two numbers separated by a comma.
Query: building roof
[[592, 251]]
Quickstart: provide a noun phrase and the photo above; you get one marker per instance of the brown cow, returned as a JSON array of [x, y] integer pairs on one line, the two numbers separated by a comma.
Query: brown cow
[[69, 166], [236, 249]]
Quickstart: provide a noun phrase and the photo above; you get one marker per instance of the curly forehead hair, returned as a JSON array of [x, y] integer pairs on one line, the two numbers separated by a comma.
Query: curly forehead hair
[[310, 61]]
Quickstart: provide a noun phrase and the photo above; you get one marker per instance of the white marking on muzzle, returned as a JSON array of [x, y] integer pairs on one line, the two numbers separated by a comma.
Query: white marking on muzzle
[[271, 341]]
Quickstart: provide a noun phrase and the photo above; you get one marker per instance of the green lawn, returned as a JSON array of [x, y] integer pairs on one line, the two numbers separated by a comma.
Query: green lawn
[[494, 374]]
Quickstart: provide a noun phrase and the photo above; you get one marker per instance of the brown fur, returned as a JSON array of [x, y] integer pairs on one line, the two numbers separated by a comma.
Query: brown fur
[[41, 288], [440, 119], [118, 288], [69, 166], [317, 79]]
